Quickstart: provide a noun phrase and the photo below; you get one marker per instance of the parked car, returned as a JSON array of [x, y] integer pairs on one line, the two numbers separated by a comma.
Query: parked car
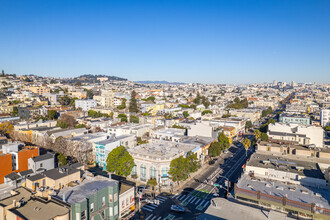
[[211, 162], [226, 151], [177, 208]]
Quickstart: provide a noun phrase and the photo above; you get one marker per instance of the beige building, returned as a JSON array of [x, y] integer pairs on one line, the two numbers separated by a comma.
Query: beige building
[[56, 178], [23, 205], [40, 90]]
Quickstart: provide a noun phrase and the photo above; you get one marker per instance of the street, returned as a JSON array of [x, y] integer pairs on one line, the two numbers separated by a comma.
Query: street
[[197, 193]]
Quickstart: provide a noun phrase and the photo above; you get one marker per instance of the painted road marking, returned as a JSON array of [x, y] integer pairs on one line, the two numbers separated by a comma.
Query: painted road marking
[[149, 217], [149, 206], [206, 204], [182, 197], [169, 217], [162, 197], [154, 218], [159, 218], [197, 201], [192, 201], [201, 204], [153, 205], [150, 210]]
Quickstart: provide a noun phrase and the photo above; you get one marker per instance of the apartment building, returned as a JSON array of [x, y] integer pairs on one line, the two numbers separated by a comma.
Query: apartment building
[[85, 104], [40, 90], [14, 158], [300, 134], [325, 117], [103, 148]]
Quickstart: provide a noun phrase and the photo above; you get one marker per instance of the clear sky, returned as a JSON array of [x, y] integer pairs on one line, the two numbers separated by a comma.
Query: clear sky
[[188, 41]]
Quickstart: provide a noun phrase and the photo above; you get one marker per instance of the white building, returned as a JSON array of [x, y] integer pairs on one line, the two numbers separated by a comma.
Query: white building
[[325, 117], [301, 134], [85, 104]]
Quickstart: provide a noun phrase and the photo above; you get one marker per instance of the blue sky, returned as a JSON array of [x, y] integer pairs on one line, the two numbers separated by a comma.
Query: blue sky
[[191, 41]]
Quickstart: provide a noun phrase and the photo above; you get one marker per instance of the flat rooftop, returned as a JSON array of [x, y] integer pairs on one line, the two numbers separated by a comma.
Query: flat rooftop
[[162, 149], [89, 136], [79, 193], [113, 139], [320, 197], [226, 209], [310, 169], [39, 210]]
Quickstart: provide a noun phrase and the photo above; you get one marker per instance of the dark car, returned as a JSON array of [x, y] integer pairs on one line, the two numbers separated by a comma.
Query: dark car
[[211, 162]]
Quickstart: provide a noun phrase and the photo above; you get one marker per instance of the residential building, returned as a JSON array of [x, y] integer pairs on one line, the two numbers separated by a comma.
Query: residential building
[[42, 163], [85, 104], [23, 204], [130, 129], [252, 114], [56, 178], [325, 117], [40, 90], [94, 198], [103, 148], [14, 158], [300, 134]]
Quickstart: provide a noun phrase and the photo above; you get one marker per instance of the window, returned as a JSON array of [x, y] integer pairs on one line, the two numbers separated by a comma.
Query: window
[[110, 197], [153, 172], [131, 199], [123, 204], [126, 201], [134, 170], [83, 215], [92, 207], [164, 171], [110, 211], [41, 165], [103, 201], [116, 210], [103, 214], [143, 172], [115, 197]]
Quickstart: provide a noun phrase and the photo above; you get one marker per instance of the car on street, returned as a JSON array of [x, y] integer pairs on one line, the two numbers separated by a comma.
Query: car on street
[[226, 151], [215, 195], [177, 208], [211, 162]]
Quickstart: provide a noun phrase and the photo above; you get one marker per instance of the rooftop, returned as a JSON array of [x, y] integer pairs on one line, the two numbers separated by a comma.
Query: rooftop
[[319, 196], [308, 169], [114, 139], [79, 193], [162, 149], [46, 156]]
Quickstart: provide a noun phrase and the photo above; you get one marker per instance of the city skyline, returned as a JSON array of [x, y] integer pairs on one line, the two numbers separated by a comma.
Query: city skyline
[[201, 41]]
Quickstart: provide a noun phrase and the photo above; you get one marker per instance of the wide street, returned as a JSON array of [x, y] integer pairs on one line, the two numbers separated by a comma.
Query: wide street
[[196, 194]]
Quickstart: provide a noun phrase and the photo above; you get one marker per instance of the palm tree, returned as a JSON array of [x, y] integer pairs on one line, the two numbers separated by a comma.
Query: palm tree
[[257, 134], [247, 143]]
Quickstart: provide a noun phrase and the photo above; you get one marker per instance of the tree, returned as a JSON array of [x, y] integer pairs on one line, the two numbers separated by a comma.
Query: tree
[[122, 117], [68, 119], [62, 124], [80, 126], [179, 169], [257, 134], [215, 149], [62, 160], [185, 114], [52, 114], [134, 119], [90, 93], [64, 100], [120, 162], [246, 143], [224, 140], [206, 112], [193, 162], [123, 104], [152, 182], [264, 137], [248, 125], [6, 128], [15, 111], [133, 105]]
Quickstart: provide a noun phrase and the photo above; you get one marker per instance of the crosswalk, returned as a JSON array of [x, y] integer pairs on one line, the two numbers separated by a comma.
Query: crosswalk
[[155, 217], [151, 207], [199, 203]]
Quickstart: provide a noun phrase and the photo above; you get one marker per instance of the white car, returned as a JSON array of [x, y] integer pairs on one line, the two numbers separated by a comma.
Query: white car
[[226, 151], [177, 208]]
